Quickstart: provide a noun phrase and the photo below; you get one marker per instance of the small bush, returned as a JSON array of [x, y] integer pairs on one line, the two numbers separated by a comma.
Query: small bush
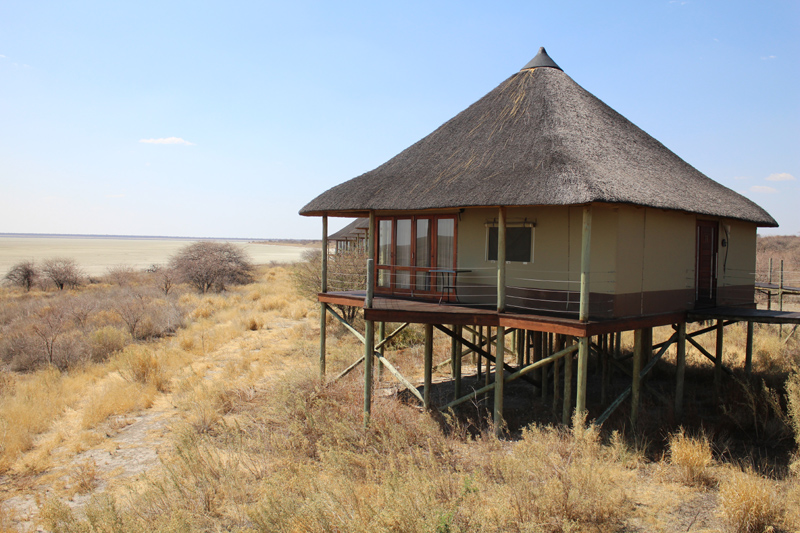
[[140, 365], [106, 341], [749, 503], [692, 456]]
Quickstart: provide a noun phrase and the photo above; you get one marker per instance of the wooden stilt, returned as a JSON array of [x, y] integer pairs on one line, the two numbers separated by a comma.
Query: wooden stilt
[[566, 411], [604, 382], [519, 337], [537, 354], [428, 363], [556, 374], [583, 362], [369, 355], [455, 348], [636, 382], [545, 369], [381, 348], [718, 360], [480, 345], [680, 370], [323, 307], [499, 378], [748, 351]]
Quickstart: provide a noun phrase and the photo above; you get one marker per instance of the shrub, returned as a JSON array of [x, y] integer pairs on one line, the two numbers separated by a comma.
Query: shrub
[[212, 265], [63, 272], [23, 274], [140, 365], [692, 456], [106, 340], [347, 271], [749, 503]]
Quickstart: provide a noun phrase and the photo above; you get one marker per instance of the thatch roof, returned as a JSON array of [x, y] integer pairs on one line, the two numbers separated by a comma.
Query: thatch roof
[[539, 138], [353, 231]]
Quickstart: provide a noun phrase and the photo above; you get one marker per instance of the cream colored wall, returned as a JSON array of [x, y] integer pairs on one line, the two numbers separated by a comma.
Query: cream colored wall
[[556, 248], [737, 261]]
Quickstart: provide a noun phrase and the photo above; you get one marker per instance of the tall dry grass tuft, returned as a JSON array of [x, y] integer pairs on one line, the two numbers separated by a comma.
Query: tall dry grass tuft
[[692, 457], [793, 406], [749, 503], [138, 364]]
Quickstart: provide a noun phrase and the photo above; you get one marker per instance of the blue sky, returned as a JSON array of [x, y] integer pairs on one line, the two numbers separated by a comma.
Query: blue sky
[[253, 108]]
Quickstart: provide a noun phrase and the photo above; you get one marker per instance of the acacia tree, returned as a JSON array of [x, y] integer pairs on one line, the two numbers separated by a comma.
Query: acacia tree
[[209, 265], [23, 274], [62, 271]]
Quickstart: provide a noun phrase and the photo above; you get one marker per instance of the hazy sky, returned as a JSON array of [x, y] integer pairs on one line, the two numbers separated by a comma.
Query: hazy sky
[[224, 119]]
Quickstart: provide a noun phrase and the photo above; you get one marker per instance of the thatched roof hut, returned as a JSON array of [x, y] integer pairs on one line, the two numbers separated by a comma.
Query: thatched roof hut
[[538, 139]]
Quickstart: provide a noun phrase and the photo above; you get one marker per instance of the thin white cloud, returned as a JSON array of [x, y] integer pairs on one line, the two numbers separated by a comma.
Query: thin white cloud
[[763, 188], [167, 140], [768, 58], [115, 196], [2, 56], [781, 176]]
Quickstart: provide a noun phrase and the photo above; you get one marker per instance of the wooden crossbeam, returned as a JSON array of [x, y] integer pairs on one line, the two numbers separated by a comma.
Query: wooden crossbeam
[[391, 335], [396, 373], [646, 370], [514, 375], [349, 369], [483, 353], [708, 329], [347, 324], [708, 355]]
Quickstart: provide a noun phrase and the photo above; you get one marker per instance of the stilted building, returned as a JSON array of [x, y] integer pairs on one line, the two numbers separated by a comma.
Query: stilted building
[[538, 211]]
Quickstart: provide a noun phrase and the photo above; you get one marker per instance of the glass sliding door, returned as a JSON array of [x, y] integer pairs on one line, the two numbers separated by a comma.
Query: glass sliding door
[[408, 248], [422, 253], [384, 262], [403, 254]]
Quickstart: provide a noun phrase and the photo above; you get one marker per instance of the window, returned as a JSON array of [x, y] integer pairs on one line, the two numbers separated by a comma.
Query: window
[[519, 243], [409, 248]]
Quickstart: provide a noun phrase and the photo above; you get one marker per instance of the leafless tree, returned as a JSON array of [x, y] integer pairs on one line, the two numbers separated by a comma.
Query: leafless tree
[[23, 274], [50, 322], [63, 272], [165, 277], [209, 265], [347, 271]]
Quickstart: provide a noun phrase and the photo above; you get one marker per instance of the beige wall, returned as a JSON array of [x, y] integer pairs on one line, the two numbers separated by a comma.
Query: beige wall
[[645, 257]]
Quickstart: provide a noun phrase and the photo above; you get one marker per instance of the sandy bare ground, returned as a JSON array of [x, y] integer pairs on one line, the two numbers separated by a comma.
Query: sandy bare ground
[[96, 255]]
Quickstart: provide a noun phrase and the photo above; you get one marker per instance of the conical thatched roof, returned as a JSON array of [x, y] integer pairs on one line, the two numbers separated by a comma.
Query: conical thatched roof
[[352, 231], [539, 138]]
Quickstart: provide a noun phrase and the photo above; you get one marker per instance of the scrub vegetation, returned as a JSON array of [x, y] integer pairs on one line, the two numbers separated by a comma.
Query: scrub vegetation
[[224, 387]]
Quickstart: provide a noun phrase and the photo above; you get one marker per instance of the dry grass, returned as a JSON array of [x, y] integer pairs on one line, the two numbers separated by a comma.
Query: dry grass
[[749, 503], [692, 457]]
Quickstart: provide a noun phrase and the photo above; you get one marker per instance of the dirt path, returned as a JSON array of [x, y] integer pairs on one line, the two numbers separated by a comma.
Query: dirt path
[[125, 446]]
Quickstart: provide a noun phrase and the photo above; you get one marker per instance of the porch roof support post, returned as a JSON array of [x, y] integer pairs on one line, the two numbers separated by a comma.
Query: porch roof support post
[[583, 315], [369, 327], [501, 262], [323, 307], [680, 369]]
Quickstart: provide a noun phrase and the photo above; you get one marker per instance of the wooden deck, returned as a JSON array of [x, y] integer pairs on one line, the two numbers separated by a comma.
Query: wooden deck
[[740, 314], [422, 312]]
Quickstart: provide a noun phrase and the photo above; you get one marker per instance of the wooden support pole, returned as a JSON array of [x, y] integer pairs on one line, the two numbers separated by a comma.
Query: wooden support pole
[[501, 262], [680, 369], [487, 374], [604, 367], [560, 345], [428, 362], [479, 362], [323, 307], [381, 348], [499, 378], [780, 301], [455, 350], [520, 347], [636, 384], [718, 360], [583, 363], [545, 370], [586, 240], [566, 410], [748, 351], [369, 355], [537, 352], [396, 373]]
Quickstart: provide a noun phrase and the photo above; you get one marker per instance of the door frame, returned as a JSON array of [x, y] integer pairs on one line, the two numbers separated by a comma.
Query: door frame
[[700, 299]]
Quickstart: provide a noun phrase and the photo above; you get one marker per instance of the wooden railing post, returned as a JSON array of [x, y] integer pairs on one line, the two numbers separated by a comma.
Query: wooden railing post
[[501, 261]]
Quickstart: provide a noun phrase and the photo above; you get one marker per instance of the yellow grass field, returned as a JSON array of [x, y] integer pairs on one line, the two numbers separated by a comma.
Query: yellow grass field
[[95, 255]]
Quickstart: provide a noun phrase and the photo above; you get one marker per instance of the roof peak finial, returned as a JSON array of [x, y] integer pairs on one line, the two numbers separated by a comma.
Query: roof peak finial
[[541, 60]]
